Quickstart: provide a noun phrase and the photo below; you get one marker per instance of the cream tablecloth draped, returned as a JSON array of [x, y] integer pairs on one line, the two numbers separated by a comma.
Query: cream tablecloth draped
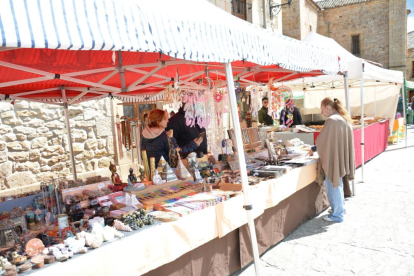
[[153, 247]]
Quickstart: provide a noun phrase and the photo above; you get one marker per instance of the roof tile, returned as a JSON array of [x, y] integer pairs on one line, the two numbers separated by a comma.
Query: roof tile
[[329, 4]]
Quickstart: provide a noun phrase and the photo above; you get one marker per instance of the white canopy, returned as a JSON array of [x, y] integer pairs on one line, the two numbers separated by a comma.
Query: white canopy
[[381, 86], [186, 29], [371, 72]]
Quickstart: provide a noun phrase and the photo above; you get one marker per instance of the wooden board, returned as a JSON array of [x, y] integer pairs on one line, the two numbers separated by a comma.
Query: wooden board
[[90, 187]]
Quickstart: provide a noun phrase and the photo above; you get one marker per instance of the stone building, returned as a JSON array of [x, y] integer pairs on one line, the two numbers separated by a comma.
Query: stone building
[[375, 30], [410, 61], [34, 147], [263, 13]]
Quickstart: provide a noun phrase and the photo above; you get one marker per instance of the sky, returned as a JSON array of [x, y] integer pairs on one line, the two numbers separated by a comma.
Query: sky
[[410, 20]]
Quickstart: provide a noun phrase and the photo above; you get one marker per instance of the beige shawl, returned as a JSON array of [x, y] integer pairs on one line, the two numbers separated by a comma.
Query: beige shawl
[[335, 146]]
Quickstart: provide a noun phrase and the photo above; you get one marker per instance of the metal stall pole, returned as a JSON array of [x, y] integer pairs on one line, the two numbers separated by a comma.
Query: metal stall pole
[[67, 123], [347, 98], [404, 111], [362, 130], [348, 108], [242, 162]]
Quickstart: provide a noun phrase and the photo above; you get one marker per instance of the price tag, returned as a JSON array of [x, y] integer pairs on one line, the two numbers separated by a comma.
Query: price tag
[[100, 186]]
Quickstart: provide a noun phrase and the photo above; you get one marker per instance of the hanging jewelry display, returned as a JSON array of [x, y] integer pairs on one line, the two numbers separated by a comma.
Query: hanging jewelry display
[[118, 130], [126, 133], [218, 103], [196, 108], [279, 95]]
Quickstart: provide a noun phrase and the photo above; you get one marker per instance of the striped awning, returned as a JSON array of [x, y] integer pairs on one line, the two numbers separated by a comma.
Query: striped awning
[[184, 29]]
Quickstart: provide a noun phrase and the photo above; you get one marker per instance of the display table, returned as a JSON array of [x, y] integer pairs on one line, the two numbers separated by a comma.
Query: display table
[[376, 141], [307, 138], [213, 240]]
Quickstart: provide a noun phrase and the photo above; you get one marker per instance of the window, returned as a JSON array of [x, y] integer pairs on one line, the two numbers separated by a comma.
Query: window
[[412, 69], [355, 45], [238, 8]]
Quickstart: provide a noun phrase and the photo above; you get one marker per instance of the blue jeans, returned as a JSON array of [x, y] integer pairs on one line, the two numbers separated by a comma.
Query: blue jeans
[[336, 200]]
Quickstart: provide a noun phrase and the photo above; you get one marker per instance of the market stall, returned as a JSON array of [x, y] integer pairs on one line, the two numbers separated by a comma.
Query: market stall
[[136, 49], [368, 90]]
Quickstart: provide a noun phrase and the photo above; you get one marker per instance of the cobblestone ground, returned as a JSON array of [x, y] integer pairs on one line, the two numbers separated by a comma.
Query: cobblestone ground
[[377, 236]]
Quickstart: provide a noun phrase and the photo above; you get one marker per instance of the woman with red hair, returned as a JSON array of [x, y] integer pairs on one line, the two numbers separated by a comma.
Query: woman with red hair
[[155, 140]]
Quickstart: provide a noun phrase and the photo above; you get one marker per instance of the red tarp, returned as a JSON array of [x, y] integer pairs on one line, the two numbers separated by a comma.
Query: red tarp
[[62, 62]]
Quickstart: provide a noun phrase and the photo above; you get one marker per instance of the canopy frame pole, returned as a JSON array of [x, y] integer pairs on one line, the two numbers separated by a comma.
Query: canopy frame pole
[[375, 101], [348, 108], [146, 76], [48, 76], [107, 77], [243, 172], [347, 98], [362, 129], [285, 77], [69, 133], [404, 111]]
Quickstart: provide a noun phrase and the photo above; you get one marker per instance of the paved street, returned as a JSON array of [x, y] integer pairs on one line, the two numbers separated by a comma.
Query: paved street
[[377, 236]]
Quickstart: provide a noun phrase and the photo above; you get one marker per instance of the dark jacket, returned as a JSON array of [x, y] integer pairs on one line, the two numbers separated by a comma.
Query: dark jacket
[[184, 134], [159, 146], [263, 117], [297, 118]]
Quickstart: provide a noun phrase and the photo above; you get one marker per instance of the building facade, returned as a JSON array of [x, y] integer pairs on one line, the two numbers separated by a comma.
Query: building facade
[[375, 30], [263, 13], [410, 57]]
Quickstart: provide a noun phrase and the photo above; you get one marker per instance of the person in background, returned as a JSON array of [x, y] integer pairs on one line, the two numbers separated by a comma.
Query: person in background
[[263, 116], [184, 134], [290, 115], [155, 140], [412, 107], [400, 108], [335, 147]]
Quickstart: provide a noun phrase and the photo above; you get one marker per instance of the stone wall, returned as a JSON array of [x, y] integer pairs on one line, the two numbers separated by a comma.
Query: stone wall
[[368, 19], [409, 65], [255, 13], [397, 34], [291, 20], [308, 17], [34, 145]]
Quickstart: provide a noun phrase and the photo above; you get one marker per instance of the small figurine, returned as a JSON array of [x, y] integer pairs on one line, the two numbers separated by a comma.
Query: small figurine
[[118, 185], [131, 177], [157, 178], [18, 259], [198, 177], [47, 219], [141, 173]]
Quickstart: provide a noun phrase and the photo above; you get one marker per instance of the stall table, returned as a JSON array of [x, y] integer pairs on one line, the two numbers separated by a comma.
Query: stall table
[[212, 241], [376, 141]]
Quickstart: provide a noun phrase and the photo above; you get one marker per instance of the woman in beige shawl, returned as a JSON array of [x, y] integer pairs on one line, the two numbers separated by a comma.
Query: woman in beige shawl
[[335, 146]]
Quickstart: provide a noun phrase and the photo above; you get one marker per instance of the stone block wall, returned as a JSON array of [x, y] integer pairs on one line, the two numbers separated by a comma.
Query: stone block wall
[[397, 34], [370, 20], [291, 20], [409, 65], [299, 17], [34, 145], [308, 17]]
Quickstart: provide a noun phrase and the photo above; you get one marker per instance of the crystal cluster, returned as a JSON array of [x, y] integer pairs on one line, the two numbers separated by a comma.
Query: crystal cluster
[[137, 219]]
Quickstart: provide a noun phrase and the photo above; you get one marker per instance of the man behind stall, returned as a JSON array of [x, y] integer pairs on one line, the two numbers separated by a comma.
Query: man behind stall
[[263, 116], [184, 134]]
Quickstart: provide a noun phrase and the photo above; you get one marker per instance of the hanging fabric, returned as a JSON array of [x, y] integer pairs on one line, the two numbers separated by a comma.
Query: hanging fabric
[[118, 130]]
